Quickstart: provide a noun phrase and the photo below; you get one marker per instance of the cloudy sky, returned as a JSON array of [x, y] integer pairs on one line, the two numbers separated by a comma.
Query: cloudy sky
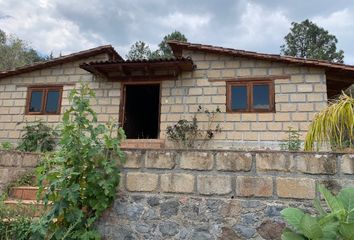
[[257, 25]]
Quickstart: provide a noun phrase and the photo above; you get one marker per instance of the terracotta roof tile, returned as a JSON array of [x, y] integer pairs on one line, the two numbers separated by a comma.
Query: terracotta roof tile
[[64, 59], [178, 46]]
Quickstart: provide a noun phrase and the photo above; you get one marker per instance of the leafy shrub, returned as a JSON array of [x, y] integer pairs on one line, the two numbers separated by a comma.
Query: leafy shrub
[[82, 174], [333, 125], [293, 142], [15, 229], [6, 146], [27, 179], [15, 221], [38, 137], [336, 224], [185, 133]]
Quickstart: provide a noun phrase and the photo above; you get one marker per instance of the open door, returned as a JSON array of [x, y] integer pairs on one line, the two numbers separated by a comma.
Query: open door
[[141, 111]]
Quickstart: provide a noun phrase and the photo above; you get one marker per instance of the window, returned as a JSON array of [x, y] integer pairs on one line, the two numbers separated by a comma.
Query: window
[[250, 96], [44, 100]]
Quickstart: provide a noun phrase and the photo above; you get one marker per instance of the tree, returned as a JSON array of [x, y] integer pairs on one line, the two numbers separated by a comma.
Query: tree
[[139, 50], [165, 49], [307, 40], [15, 52]]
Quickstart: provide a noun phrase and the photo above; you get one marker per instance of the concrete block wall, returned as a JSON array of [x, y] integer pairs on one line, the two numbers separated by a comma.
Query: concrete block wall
[[297, 99], [218, 194], [14, 164], [270, 174], [13, 94]]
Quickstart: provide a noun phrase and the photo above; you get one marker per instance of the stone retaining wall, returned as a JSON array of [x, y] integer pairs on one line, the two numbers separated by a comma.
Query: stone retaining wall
[[14, 164], [169, 194], [218, 194]]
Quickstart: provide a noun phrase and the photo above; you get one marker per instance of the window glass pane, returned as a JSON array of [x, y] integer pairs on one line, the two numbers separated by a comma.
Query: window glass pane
[[238, 97], [36, 101], [261, 96], [52, 101]]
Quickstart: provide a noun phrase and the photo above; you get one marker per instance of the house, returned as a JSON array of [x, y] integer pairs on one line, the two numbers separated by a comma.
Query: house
[[259, 95]]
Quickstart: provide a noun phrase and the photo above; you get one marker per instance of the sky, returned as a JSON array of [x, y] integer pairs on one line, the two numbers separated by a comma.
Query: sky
[[63, 26]]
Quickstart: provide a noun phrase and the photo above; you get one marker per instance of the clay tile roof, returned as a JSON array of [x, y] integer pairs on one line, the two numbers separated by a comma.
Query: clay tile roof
[[113, 55], [133, 61], [177, 48]]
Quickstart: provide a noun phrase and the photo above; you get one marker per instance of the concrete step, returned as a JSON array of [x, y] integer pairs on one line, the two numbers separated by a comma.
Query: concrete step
[[24, 193], [30, 208], [143, 144]]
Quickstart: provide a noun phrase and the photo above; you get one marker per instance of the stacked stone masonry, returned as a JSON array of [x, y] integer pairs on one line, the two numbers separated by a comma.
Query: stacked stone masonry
[[189, 194], [14, 164], [198, 195], [298, 97]]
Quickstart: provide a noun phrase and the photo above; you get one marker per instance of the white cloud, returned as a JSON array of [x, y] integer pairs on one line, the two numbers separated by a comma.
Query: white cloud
[[340, 23], [259, 28], [190, 22], [256, 25], [46, 32]]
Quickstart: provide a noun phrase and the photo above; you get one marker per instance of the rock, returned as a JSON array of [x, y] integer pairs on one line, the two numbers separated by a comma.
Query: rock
[[214, 205], [153, 201], [245, 231], [231, 209], [134, 212], [251, 204], [229, 234], [190, 211], [168, 228], [270, 230], [151, 214], [248, 219], [273, 211], [169, 208], [202, 236], [142, 228], [121, 232]]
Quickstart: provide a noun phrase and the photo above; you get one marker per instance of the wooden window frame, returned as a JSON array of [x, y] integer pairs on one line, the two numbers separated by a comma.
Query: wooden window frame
[[249, 86], [45, 90]]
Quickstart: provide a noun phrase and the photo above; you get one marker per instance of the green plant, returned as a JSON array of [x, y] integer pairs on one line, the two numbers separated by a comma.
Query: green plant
[[38, 137], [15, 229], [334, 125], [6, 146], [82, 174], [336, 224], [27, 179], [292, 143], [15, 221], [185, 133]]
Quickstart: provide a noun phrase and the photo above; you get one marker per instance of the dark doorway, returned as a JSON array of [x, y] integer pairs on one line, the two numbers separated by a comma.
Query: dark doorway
[[141, 111]]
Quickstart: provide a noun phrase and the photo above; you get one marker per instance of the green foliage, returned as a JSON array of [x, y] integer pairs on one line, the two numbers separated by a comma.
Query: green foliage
[[6, 146], [27, 179], [15, 221], [38, 137], [338, 223], [15, 229], [140, 50], [307, 40], [14, 52], [185, 133], [333, 125], [164, 48], [82, 175], [292, 143]]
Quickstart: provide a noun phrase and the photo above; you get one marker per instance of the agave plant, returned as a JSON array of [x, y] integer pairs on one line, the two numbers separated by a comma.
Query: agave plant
[[333, 125], [333, 225]]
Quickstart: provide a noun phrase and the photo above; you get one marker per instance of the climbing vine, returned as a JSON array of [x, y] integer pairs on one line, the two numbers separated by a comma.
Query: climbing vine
[[82, 175]]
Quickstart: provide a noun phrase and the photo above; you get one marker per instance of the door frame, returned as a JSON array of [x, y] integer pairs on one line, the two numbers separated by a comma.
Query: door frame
[[123, 100]]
